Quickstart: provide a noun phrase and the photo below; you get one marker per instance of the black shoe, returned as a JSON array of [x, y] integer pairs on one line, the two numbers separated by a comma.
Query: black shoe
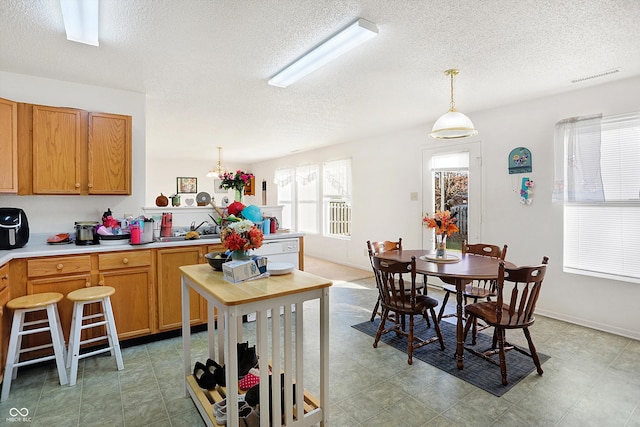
[[252, 396], [218, 372], [249, 360], [204, 378]]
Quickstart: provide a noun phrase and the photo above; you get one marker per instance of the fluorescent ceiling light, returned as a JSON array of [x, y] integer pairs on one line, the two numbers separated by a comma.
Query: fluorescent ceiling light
[[352, 36], [81, 20]]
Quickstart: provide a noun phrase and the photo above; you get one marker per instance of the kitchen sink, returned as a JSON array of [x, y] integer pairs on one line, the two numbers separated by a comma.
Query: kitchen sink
[[181, 238]]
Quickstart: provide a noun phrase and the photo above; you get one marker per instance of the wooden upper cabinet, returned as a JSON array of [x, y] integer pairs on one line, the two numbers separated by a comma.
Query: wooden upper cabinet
[[57, 156], [72, 151], [109, 154], [8, 146]]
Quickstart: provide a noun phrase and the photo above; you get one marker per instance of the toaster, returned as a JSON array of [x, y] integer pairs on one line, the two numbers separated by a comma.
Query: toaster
[[14, 228]]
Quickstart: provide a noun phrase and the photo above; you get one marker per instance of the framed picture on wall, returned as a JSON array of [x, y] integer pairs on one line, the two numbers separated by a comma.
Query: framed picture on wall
[[187, 185], [250, 188], [217, 187]]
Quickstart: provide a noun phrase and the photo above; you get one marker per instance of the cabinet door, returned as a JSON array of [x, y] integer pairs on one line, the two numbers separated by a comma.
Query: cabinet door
[[132, 301], [8, 146], [63, 285], [170, 287], [57, 141], [109, 154]]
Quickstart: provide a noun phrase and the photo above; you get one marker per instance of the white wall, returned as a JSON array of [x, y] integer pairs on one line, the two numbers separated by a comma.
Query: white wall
[[55, 214], [387, 168]]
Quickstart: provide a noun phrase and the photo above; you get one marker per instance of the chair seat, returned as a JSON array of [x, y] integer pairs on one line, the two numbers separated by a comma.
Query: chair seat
[[423, 303], [487, 312], [471, 291]]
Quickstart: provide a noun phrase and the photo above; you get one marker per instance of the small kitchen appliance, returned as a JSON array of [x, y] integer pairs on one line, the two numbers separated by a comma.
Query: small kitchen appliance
[[14, 228], [166, 224], [87, 233]]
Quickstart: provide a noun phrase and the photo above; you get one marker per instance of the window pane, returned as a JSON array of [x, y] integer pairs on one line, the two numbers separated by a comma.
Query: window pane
[[307, 198], [285, 185]]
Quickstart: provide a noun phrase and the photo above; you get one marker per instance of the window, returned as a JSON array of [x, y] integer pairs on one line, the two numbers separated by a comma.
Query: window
[[285, 184], [336, 188], [307, 198], [598, 181]]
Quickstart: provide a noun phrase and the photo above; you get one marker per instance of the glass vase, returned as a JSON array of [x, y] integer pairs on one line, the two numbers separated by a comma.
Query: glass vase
[[240, 255], [441, 245], [239, 195]]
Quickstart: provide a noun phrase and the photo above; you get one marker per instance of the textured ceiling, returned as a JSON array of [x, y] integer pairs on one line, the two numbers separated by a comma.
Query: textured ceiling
[[204, 65]]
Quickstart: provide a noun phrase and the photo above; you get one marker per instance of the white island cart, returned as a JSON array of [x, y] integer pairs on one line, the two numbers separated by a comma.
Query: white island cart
[[283, 351]]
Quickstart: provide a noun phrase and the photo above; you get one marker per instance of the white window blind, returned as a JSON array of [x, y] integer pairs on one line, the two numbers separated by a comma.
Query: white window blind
[[598, 180]]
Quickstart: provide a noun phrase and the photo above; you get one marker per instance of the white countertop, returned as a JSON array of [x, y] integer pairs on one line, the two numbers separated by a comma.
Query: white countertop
[[38, 246]]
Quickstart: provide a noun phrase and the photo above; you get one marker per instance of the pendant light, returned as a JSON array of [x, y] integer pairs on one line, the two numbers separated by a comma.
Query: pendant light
[[218, 170], [453, 124]]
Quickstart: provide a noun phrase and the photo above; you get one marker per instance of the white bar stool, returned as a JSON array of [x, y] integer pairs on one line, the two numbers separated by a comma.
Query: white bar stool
[[80, 298], [48, 302]]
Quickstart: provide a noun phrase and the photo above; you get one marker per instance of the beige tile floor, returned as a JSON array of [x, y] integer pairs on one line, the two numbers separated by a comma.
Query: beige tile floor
[[592, 379]]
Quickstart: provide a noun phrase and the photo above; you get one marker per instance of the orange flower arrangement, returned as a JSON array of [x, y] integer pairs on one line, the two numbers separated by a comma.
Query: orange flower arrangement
[[443, 222]]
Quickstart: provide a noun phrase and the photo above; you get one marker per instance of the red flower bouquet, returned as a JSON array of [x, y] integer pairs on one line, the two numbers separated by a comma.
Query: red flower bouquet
[[241, 236]]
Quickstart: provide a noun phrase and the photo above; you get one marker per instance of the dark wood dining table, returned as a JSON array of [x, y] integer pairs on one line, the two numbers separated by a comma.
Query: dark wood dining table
[[469, 267]]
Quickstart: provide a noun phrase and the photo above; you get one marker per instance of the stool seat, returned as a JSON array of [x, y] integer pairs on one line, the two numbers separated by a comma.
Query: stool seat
[[91, 293], [34, 301]]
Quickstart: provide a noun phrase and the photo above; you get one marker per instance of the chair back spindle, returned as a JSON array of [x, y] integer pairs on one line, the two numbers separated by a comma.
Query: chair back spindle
[[525, 284]]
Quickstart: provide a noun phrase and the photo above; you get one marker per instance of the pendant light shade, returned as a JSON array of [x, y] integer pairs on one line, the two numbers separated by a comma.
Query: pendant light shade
[[218, 170], [453, 124]]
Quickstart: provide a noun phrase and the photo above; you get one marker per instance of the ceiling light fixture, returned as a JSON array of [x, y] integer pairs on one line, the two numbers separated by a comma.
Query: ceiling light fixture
[[453, 124], [81, 20], [218, 171], [352, 36]]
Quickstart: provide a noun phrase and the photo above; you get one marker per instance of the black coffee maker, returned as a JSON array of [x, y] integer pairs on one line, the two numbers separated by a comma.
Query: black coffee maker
[[14, 228]]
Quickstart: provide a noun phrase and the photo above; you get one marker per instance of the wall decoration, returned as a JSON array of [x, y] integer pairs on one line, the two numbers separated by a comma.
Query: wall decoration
[[187, 185], [217, 187], [526, 191], [520, 160], [250, 188]]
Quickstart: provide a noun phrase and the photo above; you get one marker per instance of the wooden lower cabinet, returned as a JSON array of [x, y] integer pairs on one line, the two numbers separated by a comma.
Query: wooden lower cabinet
[[170, 287], [131, 274]]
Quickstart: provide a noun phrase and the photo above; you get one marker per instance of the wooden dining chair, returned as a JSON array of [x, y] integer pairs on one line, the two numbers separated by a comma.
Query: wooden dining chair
[[513, 309], [477, 289], [401, 296], [375, 248]]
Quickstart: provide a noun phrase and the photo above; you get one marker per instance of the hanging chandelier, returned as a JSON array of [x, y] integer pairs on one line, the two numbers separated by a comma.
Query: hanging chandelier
[[218, 170], [453, 124]]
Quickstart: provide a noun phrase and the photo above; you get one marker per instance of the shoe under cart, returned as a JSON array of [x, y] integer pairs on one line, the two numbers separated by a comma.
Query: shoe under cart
[[280, 344]]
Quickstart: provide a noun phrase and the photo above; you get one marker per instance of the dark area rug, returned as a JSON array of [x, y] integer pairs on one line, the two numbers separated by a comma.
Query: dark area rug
[[477, 371]]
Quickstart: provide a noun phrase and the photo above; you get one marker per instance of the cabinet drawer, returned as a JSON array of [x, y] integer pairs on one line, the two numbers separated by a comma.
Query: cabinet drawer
[[58, 265], [127, 259]]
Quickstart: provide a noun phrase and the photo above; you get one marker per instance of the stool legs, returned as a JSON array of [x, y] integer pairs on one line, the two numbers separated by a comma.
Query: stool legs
[[15, 345], [75, 341], [58, 342], [112, 334]]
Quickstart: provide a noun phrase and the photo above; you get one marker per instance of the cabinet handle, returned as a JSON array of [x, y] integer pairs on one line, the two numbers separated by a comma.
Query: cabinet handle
[[101, 281], [125, 260], [59, 266], [77, 185], [90, 185], [5, 277], [88, 284]]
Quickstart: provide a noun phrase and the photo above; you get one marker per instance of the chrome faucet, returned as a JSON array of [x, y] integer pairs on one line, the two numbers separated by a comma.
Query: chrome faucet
[[193, 225]]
